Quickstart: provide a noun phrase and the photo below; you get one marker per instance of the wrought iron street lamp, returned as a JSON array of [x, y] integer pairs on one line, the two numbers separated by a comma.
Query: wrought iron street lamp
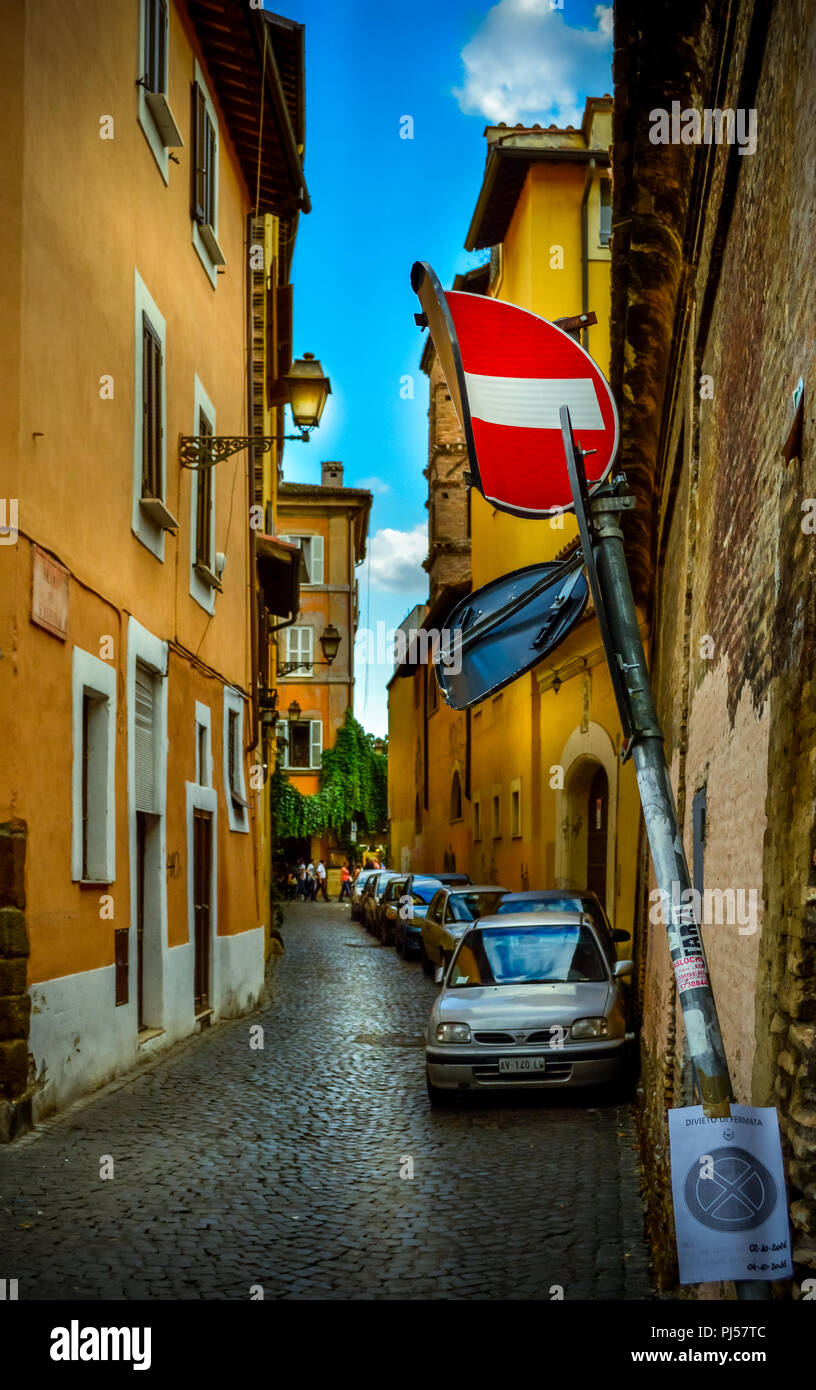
[[330, 640], [308, 389]]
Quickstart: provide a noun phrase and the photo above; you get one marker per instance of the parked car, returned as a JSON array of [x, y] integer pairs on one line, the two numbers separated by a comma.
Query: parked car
[[563, 900], [528, 1000], [357, 891], [372, 894], [403, 918], [450, 913], [451, 880], [383, 927]]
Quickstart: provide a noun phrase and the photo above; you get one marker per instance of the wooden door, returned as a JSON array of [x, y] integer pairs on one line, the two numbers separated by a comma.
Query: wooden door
[[597, 826], [202, 870]]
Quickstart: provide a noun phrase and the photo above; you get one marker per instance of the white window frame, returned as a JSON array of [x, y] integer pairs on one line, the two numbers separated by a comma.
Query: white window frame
[[310, 559], [237, 816], [283, 759], [203, 720], [90, 675], [155, 117], [200, 590], [144, 527], [306, 671], [210, 261]]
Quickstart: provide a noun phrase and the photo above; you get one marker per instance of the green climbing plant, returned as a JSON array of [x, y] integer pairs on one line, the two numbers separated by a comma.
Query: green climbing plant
[[353, 786]]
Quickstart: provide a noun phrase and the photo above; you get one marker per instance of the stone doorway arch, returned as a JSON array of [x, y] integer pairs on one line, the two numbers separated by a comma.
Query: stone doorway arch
[[586, 815]]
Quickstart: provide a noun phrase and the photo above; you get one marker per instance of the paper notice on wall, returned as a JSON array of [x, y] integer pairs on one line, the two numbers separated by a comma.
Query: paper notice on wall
[[728, 1189], [689, 972]]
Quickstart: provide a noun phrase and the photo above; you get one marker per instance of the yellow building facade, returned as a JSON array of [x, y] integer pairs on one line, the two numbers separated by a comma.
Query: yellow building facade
[[131, 898], [526, 789]]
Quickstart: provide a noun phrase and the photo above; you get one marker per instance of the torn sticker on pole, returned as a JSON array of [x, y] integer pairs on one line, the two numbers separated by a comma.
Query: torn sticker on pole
[[686, 947]]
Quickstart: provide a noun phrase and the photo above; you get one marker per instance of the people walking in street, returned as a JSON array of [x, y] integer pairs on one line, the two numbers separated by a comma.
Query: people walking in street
[[345, 882], [301, 878], [321, 881], [311, 881]]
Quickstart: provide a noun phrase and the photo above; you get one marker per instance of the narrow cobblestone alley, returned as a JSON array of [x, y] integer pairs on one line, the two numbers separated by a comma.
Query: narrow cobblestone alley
[[281, 1167]]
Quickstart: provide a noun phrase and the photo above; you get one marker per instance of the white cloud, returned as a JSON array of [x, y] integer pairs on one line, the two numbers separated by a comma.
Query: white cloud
[[525, 63], [375, 485], [396, 559]]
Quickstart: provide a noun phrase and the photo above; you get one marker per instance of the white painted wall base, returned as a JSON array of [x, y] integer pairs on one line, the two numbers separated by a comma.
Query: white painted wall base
[[80, 1040], [241, 972]]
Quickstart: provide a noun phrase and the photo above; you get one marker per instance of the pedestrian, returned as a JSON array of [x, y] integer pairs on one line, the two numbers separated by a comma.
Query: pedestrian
[[301, 878], [311, 881], [291, 885], [345, 882], [321, 881]]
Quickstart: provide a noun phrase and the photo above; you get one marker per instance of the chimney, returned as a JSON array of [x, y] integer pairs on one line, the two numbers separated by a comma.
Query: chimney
[[332, 474]]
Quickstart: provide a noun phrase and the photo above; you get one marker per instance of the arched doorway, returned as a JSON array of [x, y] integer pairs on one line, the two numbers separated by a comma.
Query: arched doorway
[[597, 822]]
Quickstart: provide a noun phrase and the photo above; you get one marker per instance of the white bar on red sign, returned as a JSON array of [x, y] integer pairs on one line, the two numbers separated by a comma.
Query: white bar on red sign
[[533, 402]]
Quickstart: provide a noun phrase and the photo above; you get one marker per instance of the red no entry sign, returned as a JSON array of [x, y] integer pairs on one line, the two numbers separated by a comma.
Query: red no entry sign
[[509, 372]]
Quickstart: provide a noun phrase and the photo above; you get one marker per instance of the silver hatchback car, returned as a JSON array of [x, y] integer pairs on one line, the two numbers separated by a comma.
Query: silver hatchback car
[[530, 1000]]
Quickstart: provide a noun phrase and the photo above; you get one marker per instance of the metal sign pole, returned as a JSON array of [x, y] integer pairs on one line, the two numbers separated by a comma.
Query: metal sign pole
[[608, 574]]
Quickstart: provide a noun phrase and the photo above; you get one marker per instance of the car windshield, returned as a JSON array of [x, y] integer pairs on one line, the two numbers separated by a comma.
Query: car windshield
[[466, 907], [541, 905], [425, 891], [530, 955]]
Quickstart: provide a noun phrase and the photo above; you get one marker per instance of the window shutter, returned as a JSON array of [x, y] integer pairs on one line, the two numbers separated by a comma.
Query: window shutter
[[209, 178], [204, 502], [605, 227], [144, 748], [284, 329], [198, 194], [315, 559], [316, 742], [151, 411], [291, 636], [283, 755]]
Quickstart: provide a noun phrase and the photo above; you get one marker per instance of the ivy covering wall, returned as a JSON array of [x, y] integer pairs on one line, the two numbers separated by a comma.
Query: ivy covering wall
[[353, 786]]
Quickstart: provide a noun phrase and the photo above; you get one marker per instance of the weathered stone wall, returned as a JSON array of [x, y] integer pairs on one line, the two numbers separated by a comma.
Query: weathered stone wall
[[15, 1002], [733, 596]]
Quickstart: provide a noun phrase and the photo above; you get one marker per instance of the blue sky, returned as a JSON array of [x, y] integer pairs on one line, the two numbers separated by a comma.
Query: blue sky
[[380, 203]]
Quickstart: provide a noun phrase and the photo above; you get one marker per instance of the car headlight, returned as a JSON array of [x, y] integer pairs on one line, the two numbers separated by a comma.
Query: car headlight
[[453, 1032], [590, 1028]]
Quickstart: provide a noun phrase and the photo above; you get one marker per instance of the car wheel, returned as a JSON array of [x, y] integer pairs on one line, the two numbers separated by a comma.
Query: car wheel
[[438, 1098]]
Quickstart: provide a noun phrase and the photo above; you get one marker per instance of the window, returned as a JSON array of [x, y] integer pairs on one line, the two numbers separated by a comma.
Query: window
[[605, 234], [155, 46], [93, 793], [477, 817], [152, 402], [300, 649], [312, 548], [203, 745], [456, 798], [151, 517], [302, 744], [204, 178], [155, 117], [204, 582], [515, 808], [234, 785], [496, 813]]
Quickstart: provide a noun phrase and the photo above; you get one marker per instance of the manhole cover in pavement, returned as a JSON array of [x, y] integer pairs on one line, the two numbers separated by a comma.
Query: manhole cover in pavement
[[390, 1040]]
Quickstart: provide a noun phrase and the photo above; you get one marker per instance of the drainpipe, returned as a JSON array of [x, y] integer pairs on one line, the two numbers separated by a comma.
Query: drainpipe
[[590, 174], [253, 592]]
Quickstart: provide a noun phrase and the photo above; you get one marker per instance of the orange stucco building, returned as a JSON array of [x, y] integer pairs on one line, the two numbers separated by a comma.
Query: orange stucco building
[[131, 902], [329, 524]]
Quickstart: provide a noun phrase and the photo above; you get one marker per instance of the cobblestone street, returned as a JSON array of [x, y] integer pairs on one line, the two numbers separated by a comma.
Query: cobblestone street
[[235, 1167]]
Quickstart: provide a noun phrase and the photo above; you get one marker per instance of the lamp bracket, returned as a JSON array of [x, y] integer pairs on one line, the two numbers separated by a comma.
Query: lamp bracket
[[206, 450]]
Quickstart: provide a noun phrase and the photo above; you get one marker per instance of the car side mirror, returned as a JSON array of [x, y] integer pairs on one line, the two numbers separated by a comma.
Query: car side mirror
[[624, 967], [439, 974]]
